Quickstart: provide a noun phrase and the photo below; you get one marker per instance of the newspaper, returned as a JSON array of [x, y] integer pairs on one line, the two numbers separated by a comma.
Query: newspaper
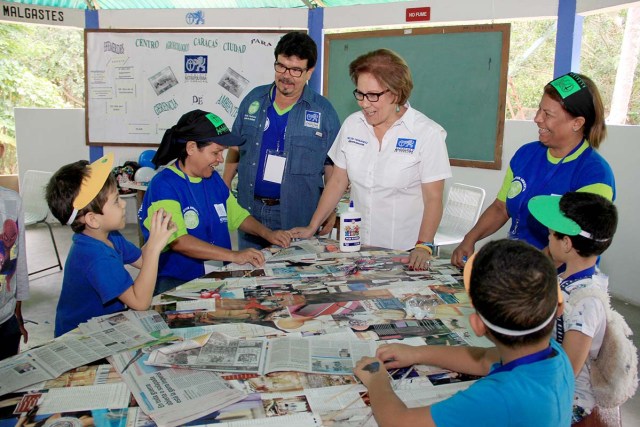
[[318, 355], [149, 321], [67, 352], [173, 396]]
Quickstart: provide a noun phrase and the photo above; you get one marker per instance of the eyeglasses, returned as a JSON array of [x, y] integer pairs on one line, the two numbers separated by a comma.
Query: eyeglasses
[[371, 96], [295, 71]]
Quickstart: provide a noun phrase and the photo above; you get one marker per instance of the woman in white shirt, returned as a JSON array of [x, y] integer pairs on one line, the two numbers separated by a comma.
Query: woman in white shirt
[[395, 159]]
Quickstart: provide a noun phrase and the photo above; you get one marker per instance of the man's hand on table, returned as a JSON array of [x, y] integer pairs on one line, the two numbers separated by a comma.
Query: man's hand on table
[[279, 237]]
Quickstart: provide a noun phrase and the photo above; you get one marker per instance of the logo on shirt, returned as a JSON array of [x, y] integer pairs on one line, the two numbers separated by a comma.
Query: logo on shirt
[[405, 145], [254, 107], [191, 218], [8, 256], [312, 119], [221, 211], [352, 140], [518, 185]]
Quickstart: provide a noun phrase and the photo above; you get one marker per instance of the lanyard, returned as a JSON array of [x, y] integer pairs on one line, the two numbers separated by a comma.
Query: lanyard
[[525, 360], [277, 118], [534, 191], [587, 272]]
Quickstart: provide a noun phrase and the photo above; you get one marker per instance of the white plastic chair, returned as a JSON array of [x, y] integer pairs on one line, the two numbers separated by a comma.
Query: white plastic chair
[[461, 212], [36, 209]]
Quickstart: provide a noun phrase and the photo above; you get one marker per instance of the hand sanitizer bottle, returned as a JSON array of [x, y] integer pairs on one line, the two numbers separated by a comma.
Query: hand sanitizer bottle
[[350, 230]]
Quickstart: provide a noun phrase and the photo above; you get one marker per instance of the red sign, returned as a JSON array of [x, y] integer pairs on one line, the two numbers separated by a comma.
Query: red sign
[[418, 14]]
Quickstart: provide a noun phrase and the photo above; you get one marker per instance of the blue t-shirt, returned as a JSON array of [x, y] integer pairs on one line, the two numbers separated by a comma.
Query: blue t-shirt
[[537, 394], [533, 171], [94, 278], [203, 208]]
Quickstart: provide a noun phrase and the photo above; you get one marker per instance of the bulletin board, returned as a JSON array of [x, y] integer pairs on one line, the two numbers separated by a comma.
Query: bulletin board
[[459, 76], [139, 83]]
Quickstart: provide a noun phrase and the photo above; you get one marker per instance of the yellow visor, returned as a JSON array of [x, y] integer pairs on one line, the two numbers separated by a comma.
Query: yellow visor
[[92, 184]]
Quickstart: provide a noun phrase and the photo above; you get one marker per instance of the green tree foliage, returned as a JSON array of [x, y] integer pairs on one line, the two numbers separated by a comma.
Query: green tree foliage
[[531, 56], [531, 61], [39, 67], [600, 56]]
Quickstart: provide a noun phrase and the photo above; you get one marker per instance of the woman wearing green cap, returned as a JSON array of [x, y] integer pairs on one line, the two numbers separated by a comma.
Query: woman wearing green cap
[[570, 120], [200, 203]]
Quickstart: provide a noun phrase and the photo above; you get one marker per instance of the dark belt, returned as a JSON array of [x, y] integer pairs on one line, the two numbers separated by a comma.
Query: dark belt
[[267, 201]]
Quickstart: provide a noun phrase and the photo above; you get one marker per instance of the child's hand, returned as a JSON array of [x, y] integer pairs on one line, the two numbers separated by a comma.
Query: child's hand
[[161, 229], [279, 237], [397, 355], [250, 255], [370, 369]]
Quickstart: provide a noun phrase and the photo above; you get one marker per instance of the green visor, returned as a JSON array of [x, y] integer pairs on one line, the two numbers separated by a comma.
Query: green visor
[[546, 209]]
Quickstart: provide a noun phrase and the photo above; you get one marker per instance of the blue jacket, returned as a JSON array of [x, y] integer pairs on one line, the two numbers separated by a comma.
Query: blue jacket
[[311, 129]]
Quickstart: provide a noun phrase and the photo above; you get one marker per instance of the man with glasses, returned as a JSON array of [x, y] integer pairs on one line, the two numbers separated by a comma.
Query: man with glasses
[[288, 129]]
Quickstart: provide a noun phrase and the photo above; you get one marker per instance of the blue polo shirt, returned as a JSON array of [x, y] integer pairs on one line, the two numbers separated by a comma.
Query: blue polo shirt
[[533, 171]]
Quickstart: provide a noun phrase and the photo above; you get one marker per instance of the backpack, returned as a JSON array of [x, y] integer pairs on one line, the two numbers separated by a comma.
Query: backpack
[[614, 372], [126, 173]]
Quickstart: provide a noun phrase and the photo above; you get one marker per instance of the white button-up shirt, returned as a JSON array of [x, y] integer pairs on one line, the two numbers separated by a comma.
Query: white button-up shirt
[[386, 180]]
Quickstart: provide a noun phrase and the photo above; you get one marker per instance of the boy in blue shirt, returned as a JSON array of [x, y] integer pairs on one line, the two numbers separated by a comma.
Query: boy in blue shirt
[[581, 227], [85, 196], [529, 380]]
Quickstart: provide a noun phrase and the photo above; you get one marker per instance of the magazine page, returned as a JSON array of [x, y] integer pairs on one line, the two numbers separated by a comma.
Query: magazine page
[[32, 408], [320, 355], [173, 396], [66, 353], [232, 355], [294, 420], [68, 399], [131, 323], [338, 357], [216, 353], [21, 371], [288, 354]]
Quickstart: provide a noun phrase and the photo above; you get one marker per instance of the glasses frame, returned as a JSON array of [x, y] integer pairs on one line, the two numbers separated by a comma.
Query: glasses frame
[[369, 95], [293, 72]]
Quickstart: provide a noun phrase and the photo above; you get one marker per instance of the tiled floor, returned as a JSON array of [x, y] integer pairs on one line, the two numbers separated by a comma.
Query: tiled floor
[[45, 290]]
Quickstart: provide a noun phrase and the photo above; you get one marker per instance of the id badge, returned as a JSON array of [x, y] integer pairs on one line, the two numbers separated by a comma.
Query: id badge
[[274, 166]]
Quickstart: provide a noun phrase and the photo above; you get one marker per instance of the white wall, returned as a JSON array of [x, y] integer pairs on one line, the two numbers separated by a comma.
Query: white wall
[[259, 18], [49, 138], [622, 151]]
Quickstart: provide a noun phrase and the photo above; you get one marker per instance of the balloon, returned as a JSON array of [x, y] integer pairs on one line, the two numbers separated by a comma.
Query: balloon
[[145, 159], [144, 174]]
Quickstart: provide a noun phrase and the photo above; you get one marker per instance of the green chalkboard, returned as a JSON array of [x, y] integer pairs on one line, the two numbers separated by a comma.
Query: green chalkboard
[[459, 75]]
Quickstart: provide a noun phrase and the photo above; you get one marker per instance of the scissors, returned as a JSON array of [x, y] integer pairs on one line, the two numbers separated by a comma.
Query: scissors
[[137, 355]]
